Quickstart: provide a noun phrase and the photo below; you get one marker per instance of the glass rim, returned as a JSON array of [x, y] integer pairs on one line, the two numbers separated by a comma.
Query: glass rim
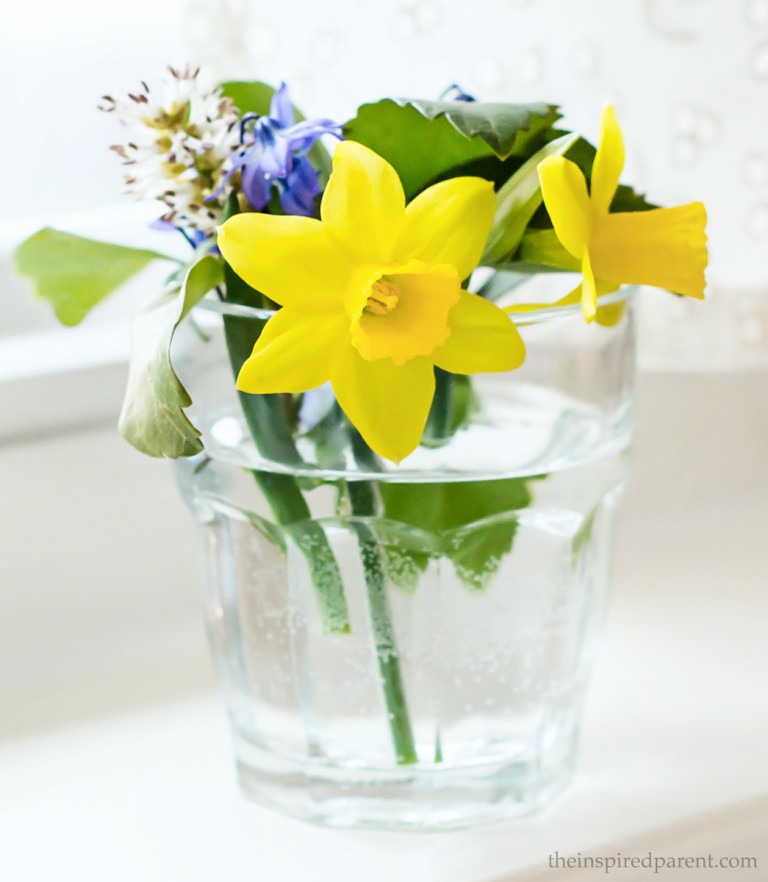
[[519, 317]]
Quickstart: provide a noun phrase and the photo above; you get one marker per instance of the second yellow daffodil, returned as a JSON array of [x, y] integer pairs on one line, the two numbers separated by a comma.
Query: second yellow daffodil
[[372, 296], [662, 247]]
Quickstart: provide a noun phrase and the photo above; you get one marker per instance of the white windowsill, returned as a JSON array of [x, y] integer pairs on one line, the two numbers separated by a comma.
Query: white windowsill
[[54, 378]]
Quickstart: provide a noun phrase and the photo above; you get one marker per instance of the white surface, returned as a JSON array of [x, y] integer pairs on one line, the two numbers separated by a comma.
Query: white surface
[[117, 763]]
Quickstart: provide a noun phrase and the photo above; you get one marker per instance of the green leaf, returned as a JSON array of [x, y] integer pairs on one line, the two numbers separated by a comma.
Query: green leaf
[[248, 97], [542, 247], [75, 273], [406, 552], [426, 140], [471, 522], [505, 128], [153, 417], [583, 536], [404, 568], [271, 532], [255, 97], [419, 149], [438, 507], [517, 201], [477, 551]]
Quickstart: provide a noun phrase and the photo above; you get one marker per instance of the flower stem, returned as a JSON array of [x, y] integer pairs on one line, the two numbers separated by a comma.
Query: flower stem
[[271, 433], [439, 422], [363, 502]]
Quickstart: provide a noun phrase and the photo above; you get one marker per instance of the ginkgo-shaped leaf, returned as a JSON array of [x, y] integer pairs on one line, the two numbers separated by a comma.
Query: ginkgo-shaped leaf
[[153, 418], [75, 273]]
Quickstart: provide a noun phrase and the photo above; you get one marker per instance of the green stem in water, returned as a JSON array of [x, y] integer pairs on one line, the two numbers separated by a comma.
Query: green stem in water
[[268, 423], [363, 502]]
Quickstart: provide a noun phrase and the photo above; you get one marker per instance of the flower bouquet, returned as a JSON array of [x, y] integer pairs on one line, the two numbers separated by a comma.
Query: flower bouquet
[[396, 373]]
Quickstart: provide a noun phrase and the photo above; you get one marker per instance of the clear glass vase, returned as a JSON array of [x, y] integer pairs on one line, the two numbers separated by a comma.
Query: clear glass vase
[[408, 646]]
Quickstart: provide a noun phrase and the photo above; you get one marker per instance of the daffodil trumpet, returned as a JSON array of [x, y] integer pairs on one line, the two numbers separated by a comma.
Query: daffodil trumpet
[[372, 296]]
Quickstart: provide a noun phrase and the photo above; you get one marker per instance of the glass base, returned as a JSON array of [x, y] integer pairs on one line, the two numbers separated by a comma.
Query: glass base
[[407, 798]]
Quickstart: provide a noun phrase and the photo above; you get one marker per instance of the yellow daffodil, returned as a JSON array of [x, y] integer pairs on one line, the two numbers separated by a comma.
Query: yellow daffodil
[[371, 296], [663, 247]]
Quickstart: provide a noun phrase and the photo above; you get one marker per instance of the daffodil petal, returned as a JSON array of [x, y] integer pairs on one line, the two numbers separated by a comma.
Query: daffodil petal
[[292, 260], [567, 201], [363, 206], [482, 339], [611, 315], [609, 162], [588, 289], [387, 403], [449, 224], [664, 247], [570, 298], [607, 316], [295, 352]]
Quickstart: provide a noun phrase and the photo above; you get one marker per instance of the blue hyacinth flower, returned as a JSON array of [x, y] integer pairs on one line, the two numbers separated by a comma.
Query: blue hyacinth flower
[[273, 155]]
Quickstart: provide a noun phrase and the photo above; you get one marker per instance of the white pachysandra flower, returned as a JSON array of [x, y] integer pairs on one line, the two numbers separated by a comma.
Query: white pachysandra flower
[[177, 146]]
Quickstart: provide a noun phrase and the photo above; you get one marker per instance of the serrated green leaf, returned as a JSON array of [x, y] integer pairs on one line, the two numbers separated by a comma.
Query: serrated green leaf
[[457, 515], [477, 551], [153, 418], [438, 507], [404, 568], [406, 552], [399, 534], [425, 141], [419, 149], [75, 273], [505, 128], [517, 201]]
